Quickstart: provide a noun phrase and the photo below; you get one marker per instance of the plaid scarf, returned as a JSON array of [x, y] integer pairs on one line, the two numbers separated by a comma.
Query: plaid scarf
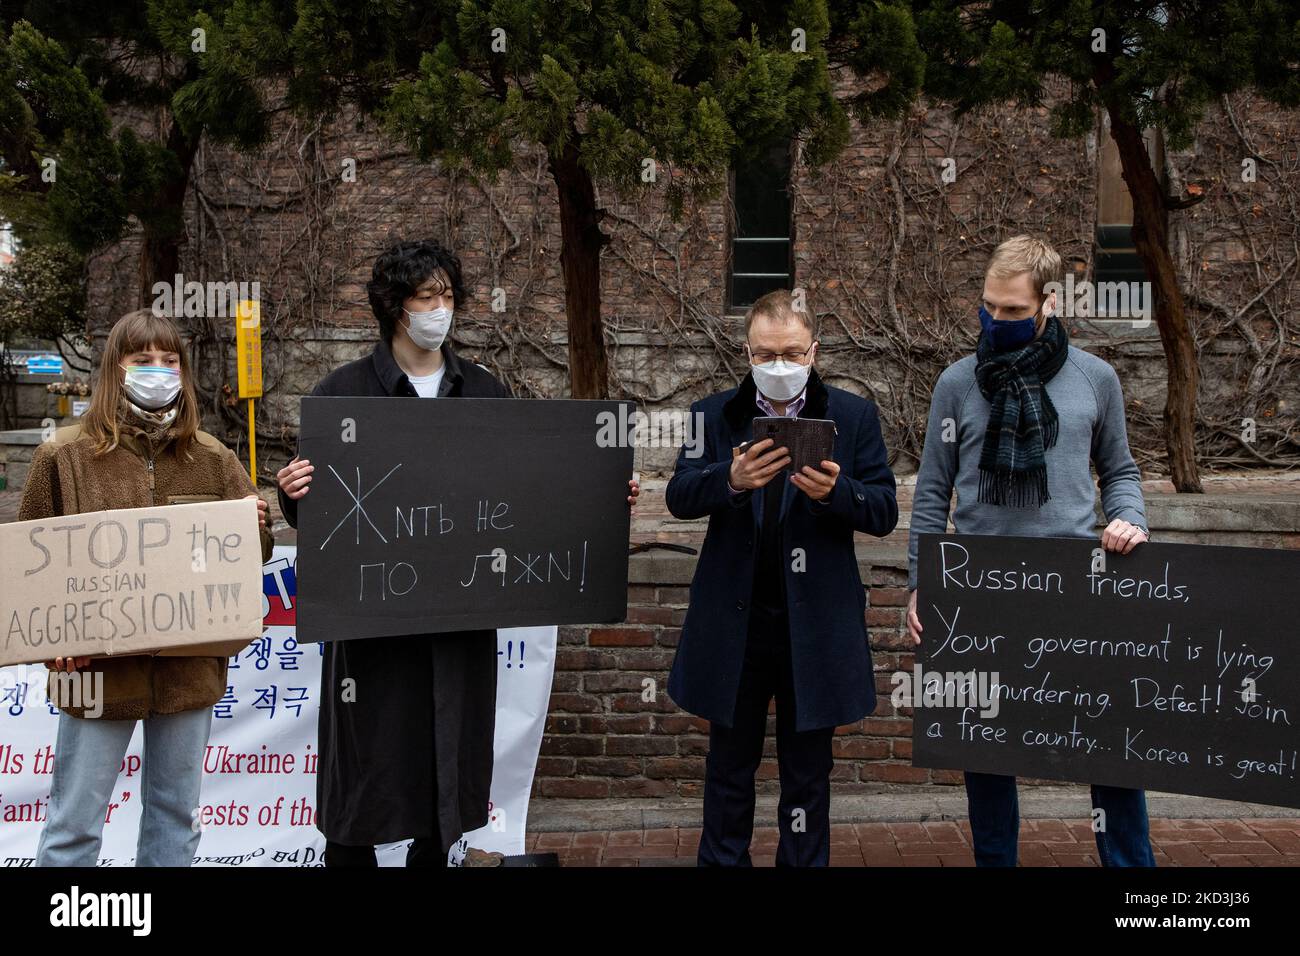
[[1022, 420]]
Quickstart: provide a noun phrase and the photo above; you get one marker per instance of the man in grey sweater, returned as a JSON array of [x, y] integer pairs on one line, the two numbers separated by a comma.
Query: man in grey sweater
[[1013, 429]]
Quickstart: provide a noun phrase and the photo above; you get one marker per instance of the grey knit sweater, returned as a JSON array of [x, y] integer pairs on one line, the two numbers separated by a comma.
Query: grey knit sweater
[[1088, 399]]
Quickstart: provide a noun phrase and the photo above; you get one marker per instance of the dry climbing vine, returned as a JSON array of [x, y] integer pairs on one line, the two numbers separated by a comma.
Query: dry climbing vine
[[890, 254]]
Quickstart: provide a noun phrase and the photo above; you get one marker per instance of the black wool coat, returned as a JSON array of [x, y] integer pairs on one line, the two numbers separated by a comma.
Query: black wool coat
[[411, 756], [831, 660]]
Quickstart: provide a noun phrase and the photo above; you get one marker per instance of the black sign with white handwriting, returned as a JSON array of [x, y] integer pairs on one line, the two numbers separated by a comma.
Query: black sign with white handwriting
[[1175, 667], [436, 515]]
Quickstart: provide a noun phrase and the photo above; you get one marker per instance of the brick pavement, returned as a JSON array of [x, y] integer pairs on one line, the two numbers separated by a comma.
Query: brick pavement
[[1043, 842]]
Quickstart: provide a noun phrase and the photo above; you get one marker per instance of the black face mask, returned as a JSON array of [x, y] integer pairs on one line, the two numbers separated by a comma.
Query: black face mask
[[1009, 334]]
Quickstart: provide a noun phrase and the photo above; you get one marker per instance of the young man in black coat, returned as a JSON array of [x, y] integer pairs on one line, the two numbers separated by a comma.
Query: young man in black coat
[[777, 604], [389, 770]]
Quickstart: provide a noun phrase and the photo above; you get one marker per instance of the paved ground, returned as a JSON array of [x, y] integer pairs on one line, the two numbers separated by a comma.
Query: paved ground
[[1043, 842]]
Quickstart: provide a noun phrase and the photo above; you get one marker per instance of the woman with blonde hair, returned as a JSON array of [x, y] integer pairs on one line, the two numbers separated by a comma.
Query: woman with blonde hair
[[138, 445]]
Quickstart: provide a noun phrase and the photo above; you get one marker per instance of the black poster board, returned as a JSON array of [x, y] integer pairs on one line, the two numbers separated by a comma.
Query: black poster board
[[435, 515], [1172, 668]]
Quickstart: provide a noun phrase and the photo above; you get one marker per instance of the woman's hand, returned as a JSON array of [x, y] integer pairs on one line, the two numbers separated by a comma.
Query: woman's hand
[[262, 510], [68, 664], [295, 477], [635, 491]]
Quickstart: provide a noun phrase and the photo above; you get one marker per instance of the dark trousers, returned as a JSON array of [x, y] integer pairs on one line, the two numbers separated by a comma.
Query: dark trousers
[[423, 851], [1119, 822], [803, 760]]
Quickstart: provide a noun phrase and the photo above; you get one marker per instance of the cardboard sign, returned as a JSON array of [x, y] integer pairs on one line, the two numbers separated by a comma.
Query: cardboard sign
[[132, 581], [1175, 667], [435, 515]]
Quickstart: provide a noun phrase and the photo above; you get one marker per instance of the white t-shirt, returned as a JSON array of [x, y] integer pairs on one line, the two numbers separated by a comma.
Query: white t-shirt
[[426, 386]]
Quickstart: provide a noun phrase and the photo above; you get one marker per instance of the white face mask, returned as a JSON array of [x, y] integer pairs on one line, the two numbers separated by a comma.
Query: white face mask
[[428, 330], [780, 380], [152, 386]]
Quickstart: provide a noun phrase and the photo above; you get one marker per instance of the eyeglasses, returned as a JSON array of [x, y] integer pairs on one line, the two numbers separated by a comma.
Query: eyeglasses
[[790, 358]]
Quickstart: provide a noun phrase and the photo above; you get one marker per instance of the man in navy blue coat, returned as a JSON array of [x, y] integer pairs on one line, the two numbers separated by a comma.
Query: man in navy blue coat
[[777, 604]]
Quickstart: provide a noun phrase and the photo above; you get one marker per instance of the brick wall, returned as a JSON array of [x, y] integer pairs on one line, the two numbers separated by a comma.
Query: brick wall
[[604, 739], [890, 255]]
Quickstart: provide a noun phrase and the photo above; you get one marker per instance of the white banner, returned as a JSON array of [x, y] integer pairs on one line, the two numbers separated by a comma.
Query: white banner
[[259, 781]]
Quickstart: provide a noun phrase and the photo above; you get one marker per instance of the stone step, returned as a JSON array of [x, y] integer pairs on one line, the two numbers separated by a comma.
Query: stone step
[[16, 449]]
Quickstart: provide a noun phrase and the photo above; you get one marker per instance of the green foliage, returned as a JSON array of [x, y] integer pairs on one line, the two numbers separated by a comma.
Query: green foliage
[[878, 40], [222, 93], [65, 63], [61, 179], [695, 85], [42, 293], [148, 167], [1162, 65], [341, 52]]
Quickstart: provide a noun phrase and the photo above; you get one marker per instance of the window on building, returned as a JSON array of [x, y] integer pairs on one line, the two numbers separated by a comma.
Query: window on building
[[762, 230]]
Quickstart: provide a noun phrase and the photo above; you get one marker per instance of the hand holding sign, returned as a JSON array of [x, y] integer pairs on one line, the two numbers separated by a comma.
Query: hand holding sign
[[262, 510], [1051, 658], [913, 621], [420, 537], [1122, 537], [173, 579], [295, 477]]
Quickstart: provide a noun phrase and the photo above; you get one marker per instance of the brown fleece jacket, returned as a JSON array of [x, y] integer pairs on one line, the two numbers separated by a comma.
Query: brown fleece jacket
[[67, 477]]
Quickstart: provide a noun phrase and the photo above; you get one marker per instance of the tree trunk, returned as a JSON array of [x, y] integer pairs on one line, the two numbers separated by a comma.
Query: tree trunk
[[580, 244], [160, 256], [1151, 240]]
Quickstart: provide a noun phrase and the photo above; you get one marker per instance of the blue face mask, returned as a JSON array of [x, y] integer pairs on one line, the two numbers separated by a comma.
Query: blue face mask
[[1007, 334]]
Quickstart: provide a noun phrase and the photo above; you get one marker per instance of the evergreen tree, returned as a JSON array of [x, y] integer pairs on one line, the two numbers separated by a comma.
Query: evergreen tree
[[67, 66], [1147, 65], [618, 93]]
